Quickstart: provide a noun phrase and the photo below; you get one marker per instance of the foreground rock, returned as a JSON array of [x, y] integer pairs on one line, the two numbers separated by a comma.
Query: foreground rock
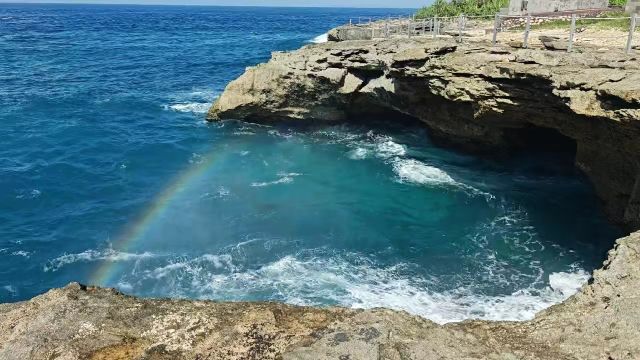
[[601, 322], [473, 96]]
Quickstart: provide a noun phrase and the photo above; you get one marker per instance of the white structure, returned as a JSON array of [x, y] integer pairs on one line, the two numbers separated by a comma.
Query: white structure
[[533, 7], [633, 6]]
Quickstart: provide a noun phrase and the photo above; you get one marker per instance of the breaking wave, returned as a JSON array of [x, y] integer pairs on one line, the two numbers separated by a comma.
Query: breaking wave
[[197, 108], [94, 255], [320, 39], [350, 281], [414, 171]]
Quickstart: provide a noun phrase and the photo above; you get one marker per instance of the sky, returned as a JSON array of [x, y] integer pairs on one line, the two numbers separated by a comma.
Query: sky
[[326, 3]]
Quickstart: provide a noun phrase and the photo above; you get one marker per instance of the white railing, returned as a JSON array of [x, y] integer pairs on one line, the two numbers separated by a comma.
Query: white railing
[[567, 32]]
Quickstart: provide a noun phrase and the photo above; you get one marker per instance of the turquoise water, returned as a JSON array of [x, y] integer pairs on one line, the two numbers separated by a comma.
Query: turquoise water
[[110, 176]]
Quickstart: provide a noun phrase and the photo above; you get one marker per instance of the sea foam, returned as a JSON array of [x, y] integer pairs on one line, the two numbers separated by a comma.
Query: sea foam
[[351, 281], [92, 255], [568, 284], [195, 107], [417, 172], [285, 178], [320, 39]]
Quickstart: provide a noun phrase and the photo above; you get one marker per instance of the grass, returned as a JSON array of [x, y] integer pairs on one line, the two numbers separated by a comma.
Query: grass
[[608, 22]]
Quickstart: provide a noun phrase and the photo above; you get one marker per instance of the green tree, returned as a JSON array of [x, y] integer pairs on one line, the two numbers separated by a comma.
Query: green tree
[[467, 7]]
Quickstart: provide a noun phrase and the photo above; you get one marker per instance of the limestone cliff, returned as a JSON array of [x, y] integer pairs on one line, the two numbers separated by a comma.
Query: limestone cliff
[[77, 322], [474, 96]]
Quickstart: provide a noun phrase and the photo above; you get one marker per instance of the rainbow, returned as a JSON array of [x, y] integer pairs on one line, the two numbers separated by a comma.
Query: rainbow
[[136, 231]]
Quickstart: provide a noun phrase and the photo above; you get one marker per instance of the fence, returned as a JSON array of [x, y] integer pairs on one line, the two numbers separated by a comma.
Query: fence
[[574, 34], [569, 33]]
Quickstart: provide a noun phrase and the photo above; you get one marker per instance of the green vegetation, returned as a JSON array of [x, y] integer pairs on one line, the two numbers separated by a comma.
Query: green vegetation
[[475, 7], [619, 3], [467, 7]]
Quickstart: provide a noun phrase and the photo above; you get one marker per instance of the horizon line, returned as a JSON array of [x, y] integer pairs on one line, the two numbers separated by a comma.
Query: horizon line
[[200, 5]]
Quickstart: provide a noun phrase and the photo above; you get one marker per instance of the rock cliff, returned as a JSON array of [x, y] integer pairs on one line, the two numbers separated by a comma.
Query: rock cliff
[[77, 322], [470, 95]]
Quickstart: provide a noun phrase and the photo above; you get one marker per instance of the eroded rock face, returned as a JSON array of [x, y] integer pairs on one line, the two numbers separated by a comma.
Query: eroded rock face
[[78, 322], [469, 95]]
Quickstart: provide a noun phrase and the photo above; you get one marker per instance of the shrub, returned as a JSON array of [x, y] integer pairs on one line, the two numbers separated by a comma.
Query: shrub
[[618, 3]]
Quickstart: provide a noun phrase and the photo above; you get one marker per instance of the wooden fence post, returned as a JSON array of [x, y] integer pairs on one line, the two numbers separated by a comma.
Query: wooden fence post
[[460, 19], [527, 29], [632, 29], [495, 30], [435, 23], [572, 33]]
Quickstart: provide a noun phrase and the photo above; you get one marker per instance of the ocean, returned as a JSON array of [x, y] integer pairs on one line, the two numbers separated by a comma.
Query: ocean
[[109, 175]]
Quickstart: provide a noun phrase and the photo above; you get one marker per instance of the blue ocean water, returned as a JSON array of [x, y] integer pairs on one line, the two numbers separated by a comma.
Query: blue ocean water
[[110, 176]]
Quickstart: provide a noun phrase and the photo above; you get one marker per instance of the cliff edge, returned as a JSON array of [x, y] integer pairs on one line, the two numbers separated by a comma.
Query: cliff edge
[[473, 96]]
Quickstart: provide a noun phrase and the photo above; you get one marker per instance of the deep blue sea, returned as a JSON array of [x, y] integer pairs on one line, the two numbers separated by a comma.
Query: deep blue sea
[[109, 175]]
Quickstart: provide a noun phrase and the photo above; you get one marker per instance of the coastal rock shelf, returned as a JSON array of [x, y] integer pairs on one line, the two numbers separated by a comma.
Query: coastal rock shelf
[[476, 97], [77, 322]]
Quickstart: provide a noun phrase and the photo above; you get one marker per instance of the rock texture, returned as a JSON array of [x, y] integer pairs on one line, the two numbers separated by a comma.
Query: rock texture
[[76, 322], [474, 96]]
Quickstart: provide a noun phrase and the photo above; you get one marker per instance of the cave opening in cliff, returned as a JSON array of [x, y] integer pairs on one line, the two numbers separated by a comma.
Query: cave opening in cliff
[[364, 111], [552, 149]]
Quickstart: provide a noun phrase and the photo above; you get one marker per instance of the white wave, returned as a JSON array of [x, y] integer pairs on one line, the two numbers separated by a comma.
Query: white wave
[[358, 154], [124, 286], [93, 255], [194, 107], [388, 148], [417, 172], [21, 253], [285, 178], [568, 284], [359, 284], [320, 39]]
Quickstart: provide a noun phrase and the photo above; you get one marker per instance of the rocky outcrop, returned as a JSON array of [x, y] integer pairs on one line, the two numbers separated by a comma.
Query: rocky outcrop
[[344, 33], [78, 322], [470, 95]]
